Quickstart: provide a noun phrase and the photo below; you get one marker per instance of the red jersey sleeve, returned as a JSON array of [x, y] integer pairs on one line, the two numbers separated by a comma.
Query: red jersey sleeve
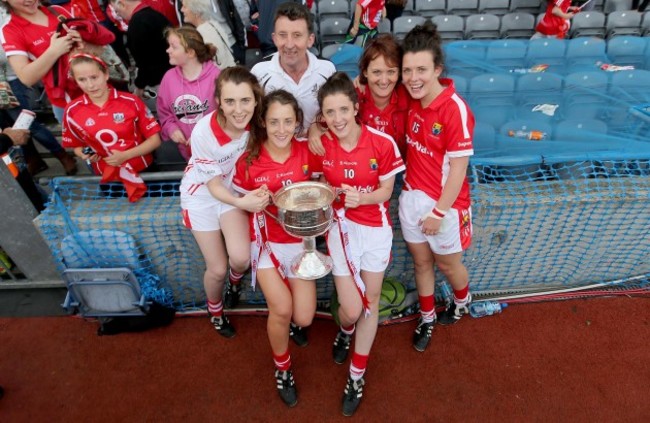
[[241, 182], [13, 43], [147, 123], [459, 127], [71, 134]]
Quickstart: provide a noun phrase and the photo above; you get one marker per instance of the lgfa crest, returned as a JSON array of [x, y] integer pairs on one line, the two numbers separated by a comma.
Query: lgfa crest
[[436, 129], [373, 164], [118, 117], [305, 169]]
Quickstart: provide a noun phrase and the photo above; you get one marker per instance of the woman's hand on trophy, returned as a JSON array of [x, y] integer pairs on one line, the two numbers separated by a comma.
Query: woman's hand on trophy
[[352, 196], [255, 201]]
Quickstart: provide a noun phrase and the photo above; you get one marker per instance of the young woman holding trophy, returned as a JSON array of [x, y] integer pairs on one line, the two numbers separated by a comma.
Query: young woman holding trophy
[[361, 163], [273, 160]]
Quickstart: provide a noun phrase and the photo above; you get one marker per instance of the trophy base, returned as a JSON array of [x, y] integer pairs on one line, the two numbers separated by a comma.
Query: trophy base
[[311, 265]]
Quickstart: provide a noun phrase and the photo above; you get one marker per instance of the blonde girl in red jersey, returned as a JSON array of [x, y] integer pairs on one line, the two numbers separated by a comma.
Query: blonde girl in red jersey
[[210, 207], [274, 160], [434, 208], [362, 162]]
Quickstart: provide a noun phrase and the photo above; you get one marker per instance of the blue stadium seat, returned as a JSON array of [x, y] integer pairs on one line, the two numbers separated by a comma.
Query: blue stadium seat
[[627, 89], [465, 58], [536, 89], [581, 130], [627, 51], [334, 9], [333, 30], [346, 59], [450, 27], [460, 84], [403, 24], [492, 97], [585, 53], [495, 7], [517, 25], [588, 24], [484, 137], [462, 7], [547, 51], [429, 8], [585, 94], [526, 125], [626, 22], [528, 6], [483, 26], [507, 55]]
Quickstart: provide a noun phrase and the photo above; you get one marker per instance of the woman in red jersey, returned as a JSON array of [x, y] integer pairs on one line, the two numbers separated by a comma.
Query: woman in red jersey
[[274, 160], [362, 162], [117, 126], [434, 208]]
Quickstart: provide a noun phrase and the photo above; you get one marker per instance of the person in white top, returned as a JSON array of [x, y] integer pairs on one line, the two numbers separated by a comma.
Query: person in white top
[[294, 68], [209, 205]]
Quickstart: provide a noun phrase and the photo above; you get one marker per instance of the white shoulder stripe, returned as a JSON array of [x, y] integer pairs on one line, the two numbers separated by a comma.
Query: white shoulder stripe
[[388, 137], [462, 108]]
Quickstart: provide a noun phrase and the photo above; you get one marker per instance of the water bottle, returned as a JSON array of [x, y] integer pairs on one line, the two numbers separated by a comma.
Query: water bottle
[[445, 293], [486, 308], [529, 135]]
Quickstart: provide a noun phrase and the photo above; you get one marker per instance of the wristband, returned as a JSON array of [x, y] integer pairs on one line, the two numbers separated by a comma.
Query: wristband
[[438, 213], [431, 215]]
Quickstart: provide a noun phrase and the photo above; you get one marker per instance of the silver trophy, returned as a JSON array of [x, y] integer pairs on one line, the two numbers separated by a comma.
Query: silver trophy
[[305, 211]]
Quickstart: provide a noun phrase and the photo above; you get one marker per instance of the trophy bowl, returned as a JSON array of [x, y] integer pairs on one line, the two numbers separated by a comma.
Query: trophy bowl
[[305, 211]]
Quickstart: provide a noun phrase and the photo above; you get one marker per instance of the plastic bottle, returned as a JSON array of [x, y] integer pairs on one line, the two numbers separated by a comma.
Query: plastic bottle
[[486, 308], [445, 293], [530, 135]]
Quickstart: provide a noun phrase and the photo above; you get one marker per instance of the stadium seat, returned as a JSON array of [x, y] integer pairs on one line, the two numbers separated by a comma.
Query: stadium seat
[[588, 24], [627, 51], [539, 89], [615, 5], [507, 55], [346, 59], [330, 50], [428, 8], [484, 136], [645, 24], [450, 27], [585, 94], [334, 9], [492, 97], [403, 24], [460, 85], [517, 25], [482, 27], [585, 53], [333, 30], [465, 58], [462, 7], [547, 51], [409, 8], [528, 6], [624, 23], [627, 89], [494, 7], [526, 126], [581, 130], [384, 27]]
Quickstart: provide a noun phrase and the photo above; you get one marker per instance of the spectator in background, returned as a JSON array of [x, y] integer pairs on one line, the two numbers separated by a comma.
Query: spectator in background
[[201, 14], [18, 137], [367, 15], [395, 8], [187, 90], [556, 21], [39, 132], [117, 126], [147, 45], [640, 5], [294, 68], [226, 14], [35, 50]]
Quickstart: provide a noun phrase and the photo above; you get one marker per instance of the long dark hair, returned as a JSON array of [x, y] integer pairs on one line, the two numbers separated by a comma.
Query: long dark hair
[[284, 98], [425, 38]]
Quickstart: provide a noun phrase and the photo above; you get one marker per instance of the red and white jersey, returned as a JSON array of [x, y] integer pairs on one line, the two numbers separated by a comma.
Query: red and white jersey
[[371, 12], [391, 120], [374, 159], [266, 171], [555, 25], [21, 37], [435, 134], [214, 153], [122, 123]]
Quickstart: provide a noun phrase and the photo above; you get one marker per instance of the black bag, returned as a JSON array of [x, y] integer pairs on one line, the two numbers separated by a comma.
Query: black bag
[[157, 316]]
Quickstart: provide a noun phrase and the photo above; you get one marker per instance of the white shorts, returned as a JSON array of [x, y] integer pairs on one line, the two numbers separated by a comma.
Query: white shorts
[[370, 248], [204, 219], [455, 231], [283, 252]]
